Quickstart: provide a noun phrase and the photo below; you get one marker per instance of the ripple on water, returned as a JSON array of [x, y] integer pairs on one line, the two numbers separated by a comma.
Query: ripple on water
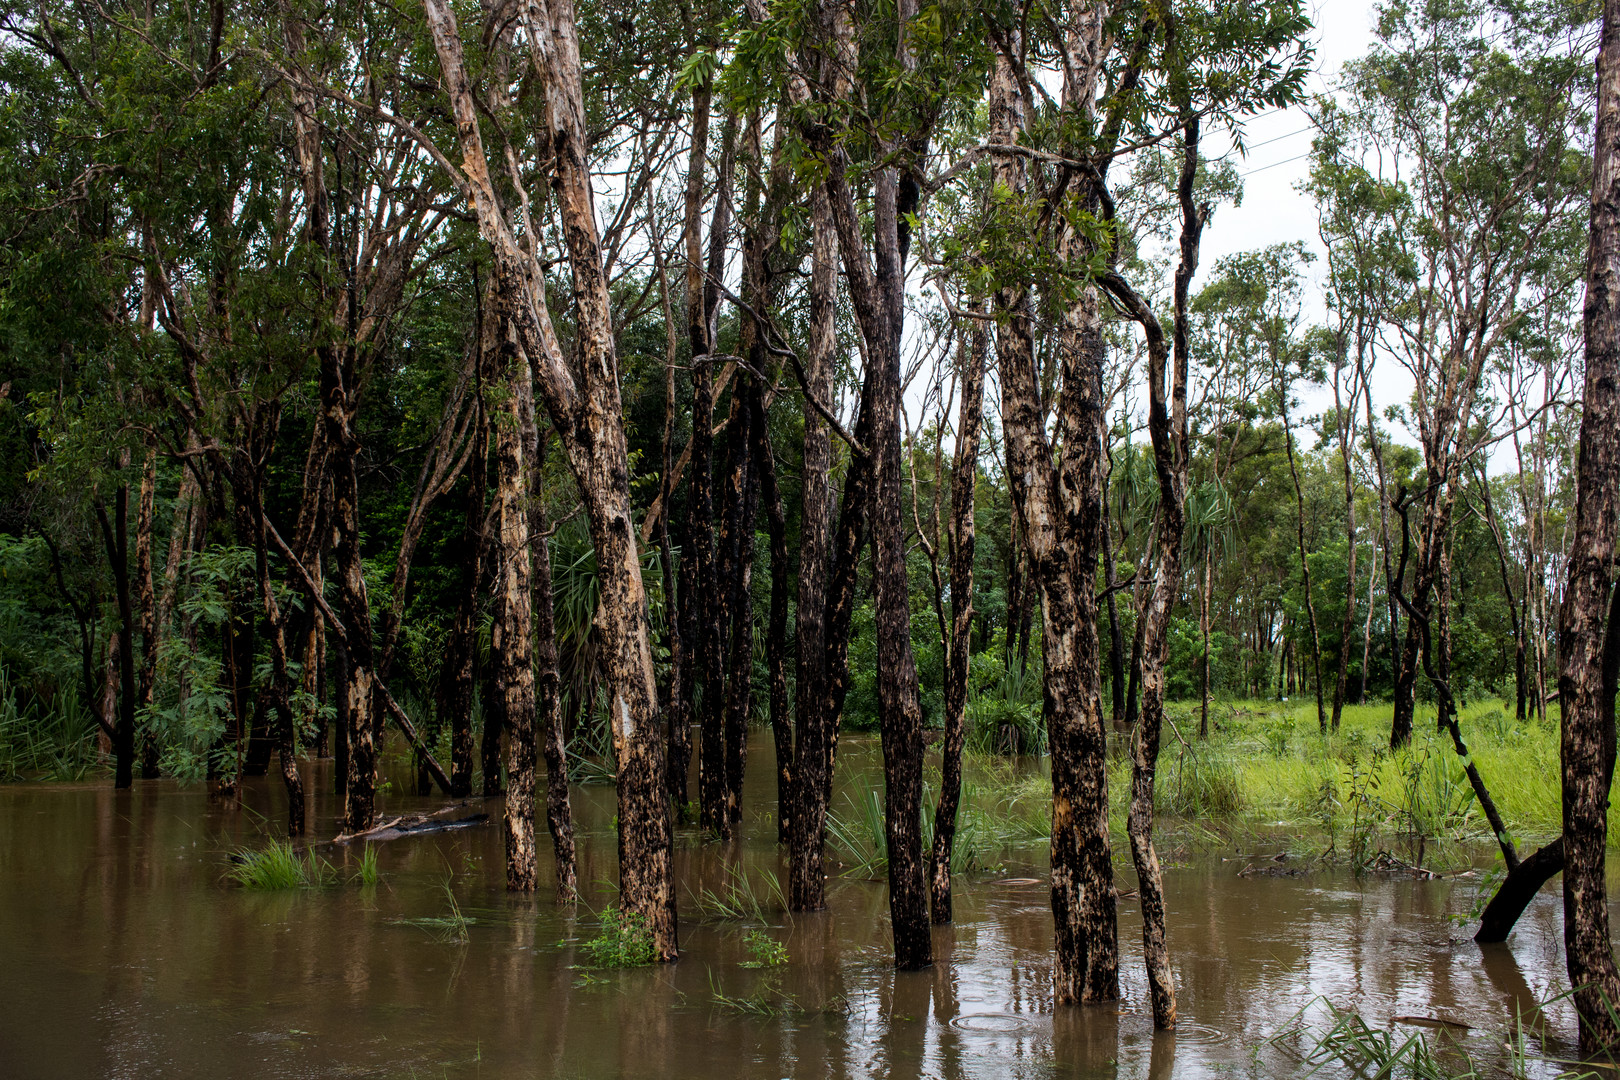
[[992, 1023]]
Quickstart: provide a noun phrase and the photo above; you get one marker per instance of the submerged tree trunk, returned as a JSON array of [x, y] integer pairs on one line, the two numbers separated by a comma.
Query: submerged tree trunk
[[511, 640], [1588, 639], [115, 536], [458, 675], [1167, 424], [1058, 513], [961, 536]]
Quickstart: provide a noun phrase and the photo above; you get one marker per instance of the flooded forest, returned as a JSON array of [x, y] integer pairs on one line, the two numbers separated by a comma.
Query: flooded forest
[[589, 538]]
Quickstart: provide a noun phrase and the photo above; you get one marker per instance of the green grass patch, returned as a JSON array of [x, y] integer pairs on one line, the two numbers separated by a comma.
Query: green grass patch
[[623, 940]]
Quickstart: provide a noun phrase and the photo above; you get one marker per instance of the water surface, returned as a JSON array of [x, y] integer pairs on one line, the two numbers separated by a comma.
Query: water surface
[[124, 953]]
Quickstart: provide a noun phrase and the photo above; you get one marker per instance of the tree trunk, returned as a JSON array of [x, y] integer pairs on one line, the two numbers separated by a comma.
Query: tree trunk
[[115, 535], [511, 641], [547, 678], [1304, 561], [1588, 643], [146, 605], [1062, 542], [584, 403], [458, 675], [961, 535], [776, 629], [1167, 425], [737, 563], [816, 726]]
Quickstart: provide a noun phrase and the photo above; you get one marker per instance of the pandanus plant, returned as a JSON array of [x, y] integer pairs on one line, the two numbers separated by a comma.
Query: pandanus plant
[[575, 587]]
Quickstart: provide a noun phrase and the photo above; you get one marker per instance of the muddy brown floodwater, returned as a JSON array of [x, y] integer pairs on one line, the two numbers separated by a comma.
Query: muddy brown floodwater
[[123, 953]]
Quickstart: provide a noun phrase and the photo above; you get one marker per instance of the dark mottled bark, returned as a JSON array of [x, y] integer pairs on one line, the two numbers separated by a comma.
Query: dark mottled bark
[[1588, 641], [812, 761], [1517, 890], [961, 537]]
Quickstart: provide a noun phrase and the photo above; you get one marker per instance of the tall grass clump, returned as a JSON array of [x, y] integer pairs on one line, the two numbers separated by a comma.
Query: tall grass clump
[[277, 867], [739, 899]]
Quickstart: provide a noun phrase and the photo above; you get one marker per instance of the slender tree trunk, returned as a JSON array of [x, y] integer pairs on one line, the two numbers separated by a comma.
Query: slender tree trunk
[[1203, 629], [1348, 625], [1588, 641], [737, 539], [1167, 425], [1304, 561], [458, 676], [547, 679], [813, 750], [1116, 633], [961, 534], [776, 628], [115, 534], [146, 605]]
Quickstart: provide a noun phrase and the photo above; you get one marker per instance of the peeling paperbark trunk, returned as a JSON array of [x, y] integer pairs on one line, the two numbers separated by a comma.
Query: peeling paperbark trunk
[[899, 710], [510, 639], [1588, 638], [961, 535], [583, 400], [1059, 516]]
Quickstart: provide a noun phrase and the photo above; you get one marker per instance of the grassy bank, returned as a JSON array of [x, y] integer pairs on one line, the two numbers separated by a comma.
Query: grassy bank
[[1266, 770]]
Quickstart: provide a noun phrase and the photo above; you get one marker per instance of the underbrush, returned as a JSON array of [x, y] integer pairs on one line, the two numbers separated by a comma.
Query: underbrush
[[45, 738]]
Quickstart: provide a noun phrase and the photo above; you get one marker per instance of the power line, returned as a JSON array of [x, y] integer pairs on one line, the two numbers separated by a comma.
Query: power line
[[1274, 164]]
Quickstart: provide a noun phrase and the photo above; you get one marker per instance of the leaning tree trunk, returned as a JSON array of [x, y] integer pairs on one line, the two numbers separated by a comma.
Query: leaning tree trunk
[[582, 397], [1167, 425], [1588, 645], [964, 475]]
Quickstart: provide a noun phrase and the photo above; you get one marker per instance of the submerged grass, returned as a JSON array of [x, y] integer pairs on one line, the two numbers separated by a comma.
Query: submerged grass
[[279, 866], [1347, 1041], [40, 738], [740, 899]]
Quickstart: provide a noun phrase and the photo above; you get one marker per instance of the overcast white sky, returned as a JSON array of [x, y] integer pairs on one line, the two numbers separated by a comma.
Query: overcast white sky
[[1274, 210]]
